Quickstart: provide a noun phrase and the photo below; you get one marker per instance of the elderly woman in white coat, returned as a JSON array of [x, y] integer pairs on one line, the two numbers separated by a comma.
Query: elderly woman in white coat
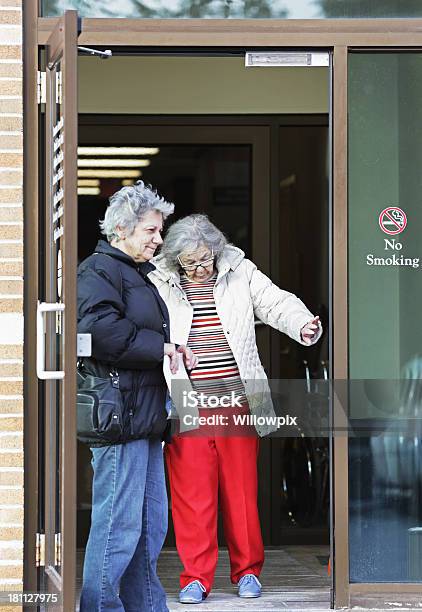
[[213, 294]]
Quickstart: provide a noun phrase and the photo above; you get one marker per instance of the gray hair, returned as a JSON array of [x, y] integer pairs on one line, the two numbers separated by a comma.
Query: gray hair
[[128, 206], [189, 233]]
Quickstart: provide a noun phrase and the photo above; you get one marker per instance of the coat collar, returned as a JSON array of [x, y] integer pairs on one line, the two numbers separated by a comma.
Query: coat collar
[[104, 247], [230, 258]]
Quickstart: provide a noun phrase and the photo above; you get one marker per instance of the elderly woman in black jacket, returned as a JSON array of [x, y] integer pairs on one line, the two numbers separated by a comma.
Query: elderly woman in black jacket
[[129, 324]]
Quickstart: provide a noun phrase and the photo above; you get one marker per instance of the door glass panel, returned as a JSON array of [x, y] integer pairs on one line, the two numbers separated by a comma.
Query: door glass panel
[[385, 292], [220, 9], [53, 294], [57, 282]]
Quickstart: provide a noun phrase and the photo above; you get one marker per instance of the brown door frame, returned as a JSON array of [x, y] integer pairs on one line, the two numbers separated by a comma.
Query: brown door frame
[[60, 418], [62, 47], [339, 35], [248, 33]]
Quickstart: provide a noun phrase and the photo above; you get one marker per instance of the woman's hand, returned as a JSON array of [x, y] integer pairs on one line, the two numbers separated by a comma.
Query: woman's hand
[[170, 350], [189, 358], [310, 330]]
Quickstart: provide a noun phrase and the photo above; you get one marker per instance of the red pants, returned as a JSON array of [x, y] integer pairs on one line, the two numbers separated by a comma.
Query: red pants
[[201, 471]]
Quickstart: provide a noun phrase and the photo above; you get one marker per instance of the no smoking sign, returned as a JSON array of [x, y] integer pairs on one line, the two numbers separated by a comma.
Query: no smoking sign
[[392, 220]]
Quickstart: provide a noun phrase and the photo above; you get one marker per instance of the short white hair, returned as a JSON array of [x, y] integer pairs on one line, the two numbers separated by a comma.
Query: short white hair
[[187, 235], [128, 206]]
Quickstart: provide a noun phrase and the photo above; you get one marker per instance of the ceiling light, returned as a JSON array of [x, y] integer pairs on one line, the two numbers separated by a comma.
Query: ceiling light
[[89, 191], [88, 183], [118, 150], [127, 182], [113, 163], [109, 173]]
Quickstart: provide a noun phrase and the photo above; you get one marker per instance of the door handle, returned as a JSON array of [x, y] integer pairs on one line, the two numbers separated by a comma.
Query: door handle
[[42, 373]]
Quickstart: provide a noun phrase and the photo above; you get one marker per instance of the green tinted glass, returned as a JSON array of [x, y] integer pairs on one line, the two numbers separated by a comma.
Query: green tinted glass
[[385, 293]]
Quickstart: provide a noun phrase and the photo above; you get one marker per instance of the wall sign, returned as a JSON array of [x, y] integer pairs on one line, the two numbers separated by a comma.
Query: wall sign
[[392, 220]]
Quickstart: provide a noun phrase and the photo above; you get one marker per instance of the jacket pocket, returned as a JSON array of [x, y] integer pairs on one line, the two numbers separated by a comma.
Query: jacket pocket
[[107, 421], [87, 406]]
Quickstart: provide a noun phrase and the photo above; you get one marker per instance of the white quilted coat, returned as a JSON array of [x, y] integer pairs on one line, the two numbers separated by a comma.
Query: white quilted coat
[[241, 293]]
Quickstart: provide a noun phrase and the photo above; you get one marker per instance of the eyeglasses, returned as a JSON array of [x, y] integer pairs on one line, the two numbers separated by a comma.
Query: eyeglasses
[[193, 267]]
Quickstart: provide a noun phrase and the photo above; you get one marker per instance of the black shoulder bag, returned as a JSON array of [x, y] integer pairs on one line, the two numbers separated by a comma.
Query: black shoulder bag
[[99, 407], [99, 403]]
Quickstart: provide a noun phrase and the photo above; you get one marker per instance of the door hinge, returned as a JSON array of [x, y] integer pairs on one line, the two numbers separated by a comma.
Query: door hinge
[[58, 549], [39, 549], [41, 87]]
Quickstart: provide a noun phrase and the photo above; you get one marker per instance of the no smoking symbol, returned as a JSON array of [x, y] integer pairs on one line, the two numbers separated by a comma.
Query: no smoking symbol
[[392, 220]]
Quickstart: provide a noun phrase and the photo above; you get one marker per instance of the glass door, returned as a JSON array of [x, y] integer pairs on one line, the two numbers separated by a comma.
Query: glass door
[[56, 315], [385, 291]]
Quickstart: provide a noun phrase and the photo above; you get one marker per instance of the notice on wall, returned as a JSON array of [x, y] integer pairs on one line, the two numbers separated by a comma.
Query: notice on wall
[[392, 221]]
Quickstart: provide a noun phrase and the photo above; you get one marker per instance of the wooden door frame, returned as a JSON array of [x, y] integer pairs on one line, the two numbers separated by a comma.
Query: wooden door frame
[[247, 33], [338, 35], [33, 202], [60, 397]]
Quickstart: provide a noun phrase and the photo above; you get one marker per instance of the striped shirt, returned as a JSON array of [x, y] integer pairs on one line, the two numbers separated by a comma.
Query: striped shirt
[[217, 373]]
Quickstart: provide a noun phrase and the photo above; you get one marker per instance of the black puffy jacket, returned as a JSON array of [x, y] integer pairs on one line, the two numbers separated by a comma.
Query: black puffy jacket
[[129, 324]]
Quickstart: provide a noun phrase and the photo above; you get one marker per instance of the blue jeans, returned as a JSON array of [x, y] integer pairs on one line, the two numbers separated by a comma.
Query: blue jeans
[[128, 527]]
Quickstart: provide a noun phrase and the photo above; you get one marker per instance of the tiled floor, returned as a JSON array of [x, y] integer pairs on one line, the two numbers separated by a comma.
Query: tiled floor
[[294, 578]]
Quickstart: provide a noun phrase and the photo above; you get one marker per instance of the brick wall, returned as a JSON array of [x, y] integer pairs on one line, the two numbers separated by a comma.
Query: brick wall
[[11, 297]]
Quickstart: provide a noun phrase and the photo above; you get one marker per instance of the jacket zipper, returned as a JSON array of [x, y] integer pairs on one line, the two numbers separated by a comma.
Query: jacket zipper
[[131, 421], [133, 398]]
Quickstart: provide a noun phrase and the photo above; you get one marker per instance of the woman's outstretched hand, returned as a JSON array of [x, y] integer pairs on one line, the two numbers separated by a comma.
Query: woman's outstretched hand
[[310, 330]]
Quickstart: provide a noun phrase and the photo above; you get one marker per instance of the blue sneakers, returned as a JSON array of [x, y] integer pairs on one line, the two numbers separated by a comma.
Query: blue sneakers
[[193, 593], [249, 586]]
